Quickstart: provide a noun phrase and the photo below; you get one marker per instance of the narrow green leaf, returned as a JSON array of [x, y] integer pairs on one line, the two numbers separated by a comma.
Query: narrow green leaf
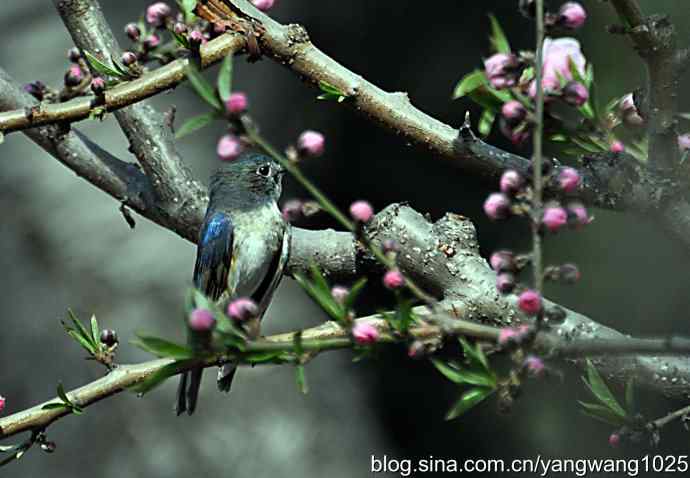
[[161, 375], [602, 413], [301, 379], [101, 67], [163, 348], [469, 83], [601, 391], [82, 341], [458, 374], [475, 354], [95, 333], [224, 81], [79, 327], [54, 406], [486, 122], [499, 42], [61, 393], [355, 290], [195, 123], [469, 399], [203, 88], [187, 7]]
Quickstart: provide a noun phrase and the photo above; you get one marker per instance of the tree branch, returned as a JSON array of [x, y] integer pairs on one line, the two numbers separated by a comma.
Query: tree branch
[[654, 38]]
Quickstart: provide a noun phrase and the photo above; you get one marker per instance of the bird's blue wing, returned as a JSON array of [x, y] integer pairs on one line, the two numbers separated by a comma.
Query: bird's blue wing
[[214, 255]]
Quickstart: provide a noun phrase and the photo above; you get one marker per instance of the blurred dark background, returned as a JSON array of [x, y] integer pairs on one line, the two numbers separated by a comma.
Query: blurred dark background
[[64, 244]]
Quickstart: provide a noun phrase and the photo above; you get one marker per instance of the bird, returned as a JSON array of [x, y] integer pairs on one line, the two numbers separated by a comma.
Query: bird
[[242, 250]]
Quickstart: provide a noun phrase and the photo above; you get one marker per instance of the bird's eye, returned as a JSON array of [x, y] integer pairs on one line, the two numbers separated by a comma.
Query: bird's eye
[[264, 170]]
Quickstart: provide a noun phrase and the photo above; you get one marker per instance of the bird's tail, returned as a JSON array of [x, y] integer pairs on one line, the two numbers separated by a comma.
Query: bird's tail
[[188, 391]]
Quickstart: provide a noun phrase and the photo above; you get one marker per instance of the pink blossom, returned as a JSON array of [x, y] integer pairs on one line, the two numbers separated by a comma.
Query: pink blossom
[[229, 147], [628, 111], [505, 282], [511, 182], [237, 103], [152, 41], [617, 147], [572, 15], [340, 293], [554, 218], [506, 335], [263, 5], [2, 403], [292, 210], [497, 206], [242, 309], [530, 302], [365, 334], [361, 211], [534, 365], [614, 440], [393, 279], [557, 56], [513, 110], [578, 214], [502, 261], [311, 143], [201, 320], [575, 93], [568, 179], [684, 142], [156, 13], [502, 70]]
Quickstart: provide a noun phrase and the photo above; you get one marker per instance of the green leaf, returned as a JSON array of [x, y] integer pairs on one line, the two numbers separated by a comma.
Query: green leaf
[[458, 374], [195, 123], [180, 39], [78, 326], [224, 81], [486, 122], [355, 290], [469, 399], [317, 288], [331, 92], [499, 42], [101, 67], [203, 88], [601, 391], [54, 406], [61, 393], [161, 375], [86, 344], [469, 83], [630, 395], [602, 413], [301, 379], [95, 333], [163, 348], [187, 7], [475, 354]]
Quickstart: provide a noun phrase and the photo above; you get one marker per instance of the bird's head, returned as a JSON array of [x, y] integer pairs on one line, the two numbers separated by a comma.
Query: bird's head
[[249, 178]]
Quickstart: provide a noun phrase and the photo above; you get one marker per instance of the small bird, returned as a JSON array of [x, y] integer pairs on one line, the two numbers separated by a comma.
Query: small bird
[[242, 250]]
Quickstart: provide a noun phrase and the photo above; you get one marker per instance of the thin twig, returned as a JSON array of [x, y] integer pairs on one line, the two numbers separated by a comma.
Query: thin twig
[[537, 160]]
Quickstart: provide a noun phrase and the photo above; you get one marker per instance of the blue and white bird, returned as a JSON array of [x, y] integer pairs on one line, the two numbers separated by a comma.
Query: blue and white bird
[[242, 251]]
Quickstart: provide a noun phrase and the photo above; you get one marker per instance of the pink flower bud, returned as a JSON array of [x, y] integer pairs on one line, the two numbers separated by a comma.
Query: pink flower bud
[[128, 58], [614, 440], [229, 147], [201, 320], [36, 89], [513, 111], [575, 93], [502, 69], [361, 211], [497, 206], [502, 261], [530, 302], [263, 5], [236, 103], [98, 85], [133, 32], [152, 41], [507, 334], [340, 293], [156, 13], [196, 39], [180, 28], [292, 210], [572, 15], [534, 365], [242, 309], [505, 282], [617, 147], [365, 334], [684, 142], [568, 179], [2, 403], [554, 218], [577, 215], [511, 181], [517, 135], [74, 76], [393, 279], [311, 143]]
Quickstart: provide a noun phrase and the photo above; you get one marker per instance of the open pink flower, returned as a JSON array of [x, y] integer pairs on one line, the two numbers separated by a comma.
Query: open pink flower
[[557, 56]]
